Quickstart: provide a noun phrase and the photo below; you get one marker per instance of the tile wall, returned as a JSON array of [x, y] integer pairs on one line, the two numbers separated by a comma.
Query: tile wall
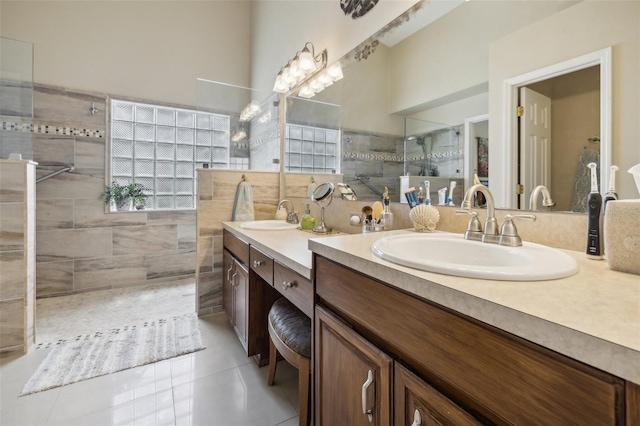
[[377, 158], [17, 252], [79, 247], [216, 193]]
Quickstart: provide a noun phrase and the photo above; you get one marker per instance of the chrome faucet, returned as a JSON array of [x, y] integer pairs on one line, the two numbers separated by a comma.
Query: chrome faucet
[[292, 216], [490, 233], [546, 197], [508, 233]]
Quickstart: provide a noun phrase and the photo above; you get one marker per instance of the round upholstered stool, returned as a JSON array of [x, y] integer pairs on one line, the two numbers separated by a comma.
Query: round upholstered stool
[[290, 335]]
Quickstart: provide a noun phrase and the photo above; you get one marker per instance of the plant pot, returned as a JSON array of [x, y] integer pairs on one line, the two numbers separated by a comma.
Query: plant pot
[[124, 205]]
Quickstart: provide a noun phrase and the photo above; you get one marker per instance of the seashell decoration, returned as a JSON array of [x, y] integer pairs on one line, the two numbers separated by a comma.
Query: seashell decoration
[[424, 217]]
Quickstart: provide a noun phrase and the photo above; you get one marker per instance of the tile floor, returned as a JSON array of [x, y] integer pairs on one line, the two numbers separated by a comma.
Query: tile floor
[[217, 386]]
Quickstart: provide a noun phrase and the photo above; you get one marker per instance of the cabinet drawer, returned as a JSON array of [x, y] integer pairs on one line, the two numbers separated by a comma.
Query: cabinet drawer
[[261, 264], [235, 245], [487, 371], [294, 287]]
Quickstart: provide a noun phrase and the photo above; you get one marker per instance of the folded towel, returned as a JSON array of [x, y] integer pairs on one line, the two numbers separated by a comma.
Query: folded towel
[[243, 203]]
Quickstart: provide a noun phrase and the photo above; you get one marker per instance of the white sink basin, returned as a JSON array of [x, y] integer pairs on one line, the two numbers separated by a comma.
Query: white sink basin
[[451, 254], [268, 225]]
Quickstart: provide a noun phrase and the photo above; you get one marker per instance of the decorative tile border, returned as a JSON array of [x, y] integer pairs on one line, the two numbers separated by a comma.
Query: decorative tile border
[[53, 130], [392, 157], [372, 156], [264, 138]]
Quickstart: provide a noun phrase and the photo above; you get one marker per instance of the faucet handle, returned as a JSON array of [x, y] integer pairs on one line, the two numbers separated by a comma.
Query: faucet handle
[[474, 228], [293, 218], [509, 233]]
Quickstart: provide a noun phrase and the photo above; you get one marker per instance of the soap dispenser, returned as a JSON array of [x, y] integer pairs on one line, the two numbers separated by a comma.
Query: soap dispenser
[[307, 221], [387, 215]]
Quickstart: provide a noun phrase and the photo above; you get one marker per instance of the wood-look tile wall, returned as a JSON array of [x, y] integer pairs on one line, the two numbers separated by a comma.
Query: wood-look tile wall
[[17, 252], [79, 246], [216, 192]]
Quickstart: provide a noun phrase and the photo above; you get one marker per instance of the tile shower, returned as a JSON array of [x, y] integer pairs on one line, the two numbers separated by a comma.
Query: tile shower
[[80, 247]]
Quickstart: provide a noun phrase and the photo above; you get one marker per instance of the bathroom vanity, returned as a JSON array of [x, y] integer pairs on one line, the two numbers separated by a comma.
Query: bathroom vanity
[[394, 345], [260, 267]]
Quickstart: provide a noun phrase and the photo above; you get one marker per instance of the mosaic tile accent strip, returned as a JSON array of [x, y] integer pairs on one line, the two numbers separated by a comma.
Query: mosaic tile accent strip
[[53, 130], [391, 157], [264, 138], [372, 156], [447, 154]]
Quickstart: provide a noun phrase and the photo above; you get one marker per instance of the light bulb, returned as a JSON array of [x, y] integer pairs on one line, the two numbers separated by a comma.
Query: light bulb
[[316, 85], [278, 85], [295, 70], [325, 79], [306, 61], [306, 92], [335, 71]]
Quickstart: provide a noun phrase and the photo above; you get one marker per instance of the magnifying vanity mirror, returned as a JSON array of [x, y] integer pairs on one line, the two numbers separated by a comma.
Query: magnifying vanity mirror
[[322, 196], [455, 69]]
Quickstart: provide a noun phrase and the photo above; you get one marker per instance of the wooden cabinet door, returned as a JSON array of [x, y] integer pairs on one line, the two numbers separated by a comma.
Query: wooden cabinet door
[[241, 301], [418, 404], [227, 285], [353, 377]]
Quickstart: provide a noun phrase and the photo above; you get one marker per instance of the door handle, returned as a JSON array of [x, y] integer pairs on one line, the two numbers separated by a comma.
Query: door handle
[[229, 273], [417, 418], [233, 279], [365, 386]]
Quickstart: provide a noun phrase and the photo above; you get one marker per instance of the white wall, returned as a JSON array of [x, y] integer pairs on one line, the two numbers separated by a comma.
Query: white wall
[[152, 50], [450, 56], [578, 30], [281, 28]]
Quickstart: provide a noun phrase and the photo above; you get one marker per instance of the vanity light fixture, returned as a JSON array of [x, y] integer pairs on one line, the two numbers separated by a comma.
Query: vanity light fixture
[[321, 81], [304, 66], [239, 135], [250, 111]]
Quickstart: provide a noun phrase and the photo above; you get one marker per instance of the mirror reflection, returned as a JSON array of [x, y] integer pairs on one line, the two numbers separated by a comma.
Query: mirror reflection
[[254, 130], [441, 73]]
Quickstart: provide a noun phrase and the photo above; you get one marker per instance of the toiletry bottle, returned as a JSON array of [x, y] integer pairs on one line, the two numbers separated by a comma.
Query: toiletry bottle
[[594, 205], [411, 197], [420, 196], [307, 221], [387, 215]]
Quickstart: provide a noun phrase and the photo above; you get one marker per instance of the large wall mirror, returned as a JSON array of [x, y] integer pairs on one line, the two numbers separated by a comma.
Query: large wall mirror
[[251, 140], [446, 69]]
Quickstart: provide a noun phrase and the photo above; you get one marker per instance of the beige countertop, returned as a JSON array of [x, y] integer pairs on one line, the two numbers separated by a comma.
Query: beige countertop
[[592, 316], [289, 247]]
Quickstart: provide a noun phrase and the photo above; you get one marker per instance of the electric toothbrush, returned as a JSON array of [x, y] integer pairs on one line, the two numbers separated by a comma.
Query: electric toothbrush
[[594, 205], [427, 196], [611, 193], [451, 188]]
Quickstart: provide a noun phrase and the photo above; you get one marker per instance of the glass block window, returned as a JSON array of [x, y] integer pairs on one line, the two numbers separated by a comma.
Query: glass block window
[[161, 147], [311, 149]]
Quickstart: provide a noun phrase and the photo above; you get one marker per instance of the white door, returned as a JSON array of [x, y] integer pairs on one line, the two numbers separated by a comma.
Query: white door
[[535, 143]]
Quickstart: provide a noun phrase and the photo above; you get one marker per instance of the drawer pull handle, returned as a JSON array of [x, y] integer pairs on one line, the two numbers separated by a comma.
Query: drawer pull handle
[[417, 418], [257, 263], [365, 386], [287, 285]]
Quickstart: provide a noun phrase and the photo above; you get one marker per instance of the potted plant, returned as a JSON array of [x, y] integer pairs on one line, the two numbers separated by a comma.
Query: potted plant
[[124, 197], [118, 196], [136, 192]]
